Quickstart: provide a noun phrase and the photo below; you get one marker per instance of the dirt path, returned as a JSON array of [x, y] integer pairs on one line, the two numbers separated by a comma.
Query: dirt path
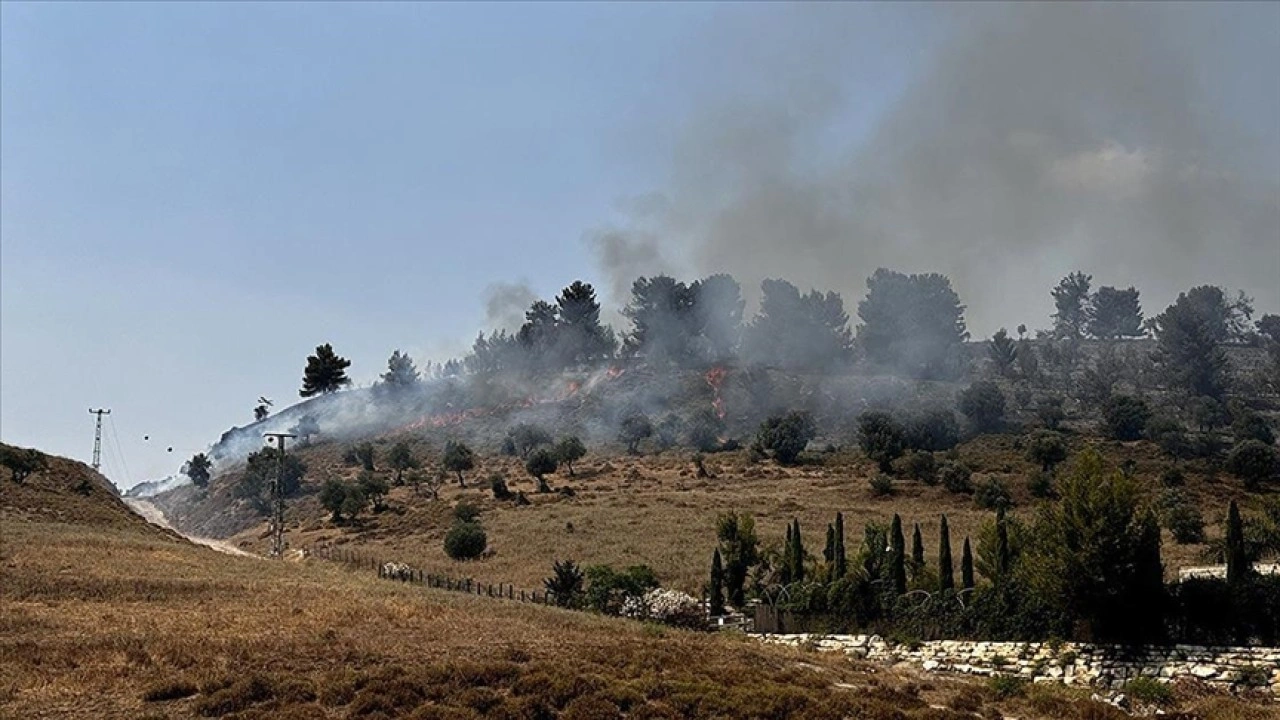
[[153, 515]]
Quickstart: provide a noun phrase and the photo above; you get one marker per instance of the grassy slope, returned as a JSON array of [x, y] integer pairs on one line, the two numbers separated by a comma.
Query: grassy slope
[[654, 510], [119, 620]]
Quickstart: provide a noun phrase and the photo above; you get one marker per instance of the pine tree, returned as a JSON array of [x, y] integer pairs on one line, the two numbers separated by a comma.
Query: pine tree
[[966, 566], [581, 336], [1071, 299], [946, 574], [1115, 314], [198, 469], [1003, 353], [841, 560], [1238, 565], [897, 558], [717, 585], [326, 372], [401, 372]]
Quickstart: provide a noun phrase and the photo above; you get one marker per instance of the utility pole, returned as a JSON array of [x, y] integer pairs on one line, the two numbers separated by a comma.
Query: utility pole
[[97, 437], [277, 498]]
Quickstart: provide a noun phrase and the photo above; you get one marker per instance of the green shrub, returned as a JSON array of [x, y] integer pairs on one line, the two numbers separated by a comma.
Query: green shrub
[[933, 431], [921, 466], [1252, 462], [498, 485], [1046, 448], [983, 403], [1125, 417], [465, 541], [1254, 677], [1172, 477], [786, 436], [881, 485], [1181, 517], [956, 477], [565, 584], [465, 512], [1006, 686], [1040, 484], [881, 438], [1150, 691], [993, 494]]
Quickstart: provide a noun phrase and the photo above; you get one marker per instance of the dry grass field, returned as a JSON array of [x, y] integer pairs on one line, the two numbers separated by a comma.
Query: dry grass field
[[654, 510], [105, 617]]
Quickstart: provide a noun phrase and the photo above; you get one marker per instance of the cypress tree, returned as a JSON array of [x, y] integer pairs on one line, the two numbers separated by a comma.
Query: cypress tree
[[841, 559], [829, 552], [966, 567], [897, 557], [1147, 602], [1002, 545], [797, 549], [717, 585], [917, 549], [1237, 559], [787, 555], [946, 577]]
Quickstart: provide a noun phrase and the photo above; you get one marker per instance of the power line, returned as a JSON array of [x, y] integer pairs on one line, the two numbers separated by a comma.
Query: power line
[[115, 437]]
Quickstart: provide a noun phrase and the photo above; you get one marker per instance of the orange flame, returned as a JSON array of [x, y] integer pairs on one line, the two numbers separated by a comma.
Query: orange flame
[[714, 377]]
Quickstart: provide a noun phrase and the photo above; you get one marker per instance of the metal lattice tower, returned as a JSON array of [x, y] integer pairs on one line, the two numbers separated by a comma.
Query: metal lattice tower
[[277, 498], [97, 437]]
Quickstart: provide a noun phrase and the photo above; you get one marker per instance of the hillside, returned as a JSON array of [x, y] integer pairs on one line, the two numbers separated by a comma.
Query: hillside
[[117, 620], [67, 491], [628, 510]]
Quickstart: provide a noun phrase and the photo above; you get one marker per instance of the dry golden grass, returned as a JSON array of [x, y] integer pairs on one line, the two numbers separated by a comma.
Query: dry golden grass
[[121, 622], [112, 623], [653, 510]]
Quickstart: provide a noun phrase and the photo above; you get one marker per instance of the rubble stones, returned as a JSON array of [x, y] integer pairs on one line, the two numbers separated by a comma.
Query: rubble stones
[[1103, 666]]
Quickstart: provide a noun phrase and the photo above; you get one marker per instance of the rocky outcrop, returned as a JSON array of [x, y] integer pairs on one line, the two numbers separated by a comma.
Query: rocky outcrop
[[1107, 666]]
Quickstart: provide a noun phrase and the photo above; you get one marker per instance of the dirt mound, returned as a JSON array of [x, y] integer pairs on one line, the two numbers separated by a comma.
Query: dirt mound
[[65, 491]]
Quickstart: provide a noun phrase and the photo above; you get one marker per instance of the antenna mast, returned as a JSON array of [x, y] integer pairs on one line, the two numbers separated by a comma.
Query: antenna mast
[[277, 498], [97, 437]]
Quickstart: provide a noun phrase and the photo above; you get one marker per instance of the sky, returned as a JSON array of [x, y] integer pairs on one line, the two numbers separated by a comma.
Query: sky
[[193, 196]]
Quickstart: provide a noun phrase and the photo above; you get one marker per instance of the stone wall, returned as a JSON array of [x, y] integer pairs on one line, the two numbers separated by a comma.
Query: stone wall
[[1104, 666]]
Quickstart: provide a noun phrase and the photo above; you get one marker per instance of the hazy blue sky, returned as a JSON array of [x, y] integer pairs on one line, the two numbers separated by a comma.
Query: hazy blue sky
[[193, 196]]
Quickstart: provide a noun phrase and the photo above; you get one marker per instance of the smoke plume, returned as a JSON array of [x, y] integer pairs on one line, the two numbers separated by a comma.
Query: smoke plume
[[1036, 139], [505, 305]]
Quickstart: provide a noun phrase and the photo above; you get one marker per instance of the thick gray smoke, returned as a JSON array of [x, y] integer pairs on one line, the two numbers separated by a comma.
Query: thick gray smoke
[[505, 305], [1035, 139]]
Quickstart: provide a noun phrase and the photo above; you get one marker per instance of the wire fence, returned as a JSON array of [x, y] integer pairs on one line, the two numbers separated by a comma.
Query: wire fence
[[393, 570], [401, 572]]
